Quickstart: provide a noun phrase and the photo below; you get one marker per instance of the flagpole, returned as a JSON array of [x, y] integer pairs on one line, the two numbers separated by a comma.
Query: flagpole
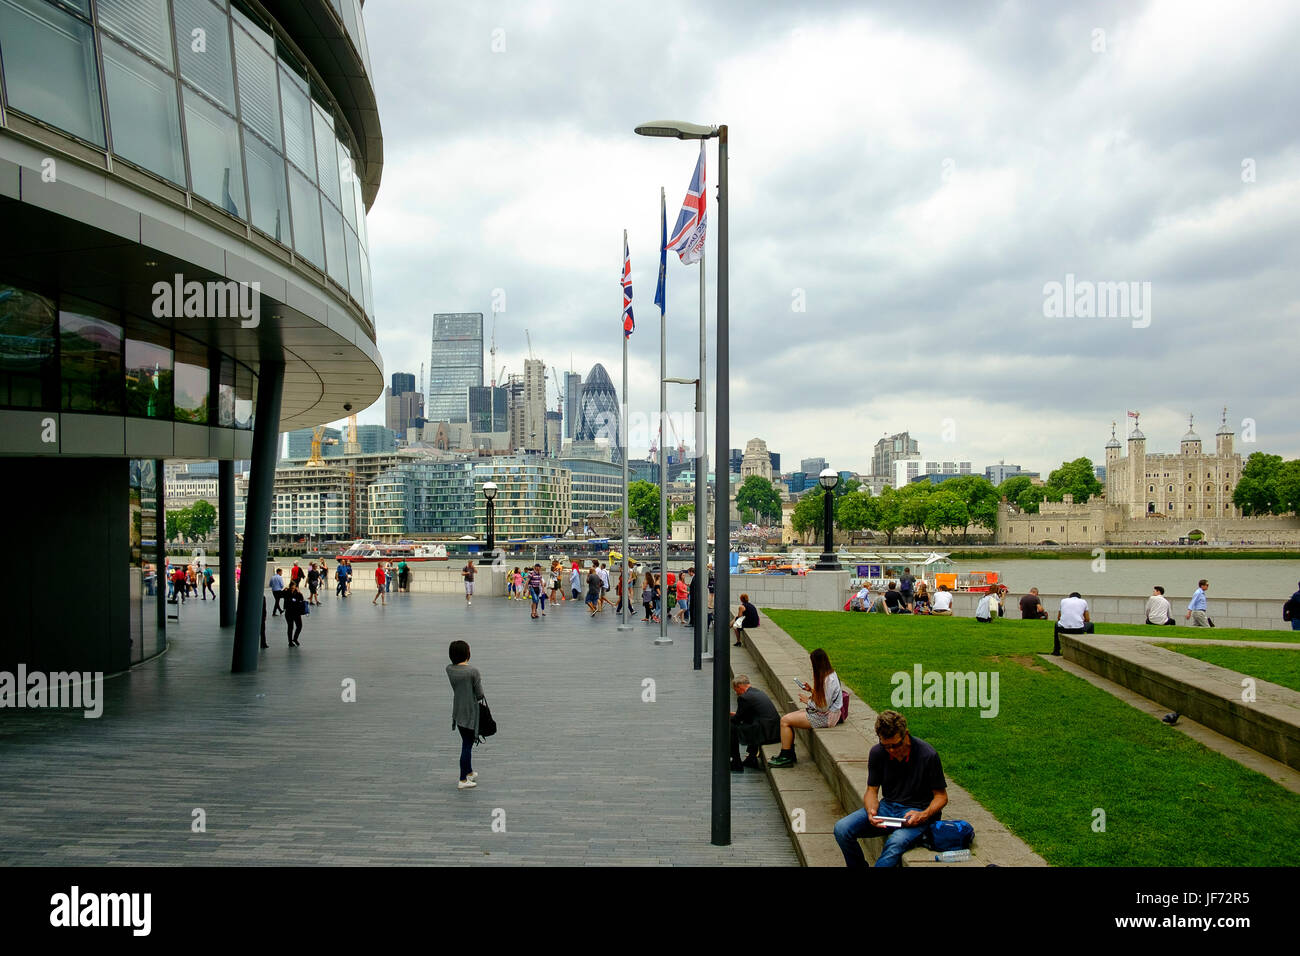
[[700, 610], [624, 625], [663, 470]]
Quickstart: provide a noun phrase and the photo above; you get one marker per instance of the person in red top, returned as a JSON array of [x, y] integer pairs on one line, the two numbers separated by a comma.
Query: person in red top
[[295, 575], [380, 577], [683, 592]]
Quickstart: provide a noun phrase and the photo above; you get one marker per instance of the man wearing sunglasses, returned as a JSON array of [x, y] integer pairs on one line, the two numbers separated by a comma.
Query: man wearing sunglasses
[[909, 771]]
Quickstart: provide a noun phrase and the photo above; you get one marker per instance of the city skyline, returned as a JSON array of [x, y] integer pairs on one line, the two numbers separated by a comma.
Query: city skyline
[[1057, 164]]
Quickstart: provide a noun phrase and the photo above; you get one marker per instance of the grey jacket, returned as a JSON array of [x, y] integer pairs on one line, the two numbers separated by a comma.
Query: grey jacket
[[467, 688]]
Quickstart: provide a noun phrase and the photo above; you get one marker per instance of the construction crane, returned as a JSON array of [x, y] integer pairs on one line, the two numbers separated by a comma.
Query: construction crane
[[317, 439], [530, 344], [493, 351]]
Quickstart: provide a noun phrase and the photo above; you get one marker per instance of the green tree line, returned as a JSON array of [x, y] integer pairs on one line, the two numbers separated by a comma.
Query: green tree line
[[192, 523]]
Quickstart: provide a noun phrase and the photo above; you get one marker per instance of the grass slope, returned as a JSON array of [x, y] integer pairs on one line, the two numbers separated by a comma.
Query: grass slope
[[1059, 748]]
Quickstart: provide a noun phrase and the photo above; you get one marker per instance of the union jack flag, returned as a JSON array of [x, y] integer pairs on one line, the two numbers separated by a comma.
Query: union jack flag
[[628, 324], [687, 239]]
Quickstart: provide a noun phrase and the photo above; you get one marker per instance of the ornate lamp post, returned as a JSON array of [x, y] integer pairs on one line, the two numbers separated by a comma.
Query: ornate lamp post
[[490, 492], [829, 561]]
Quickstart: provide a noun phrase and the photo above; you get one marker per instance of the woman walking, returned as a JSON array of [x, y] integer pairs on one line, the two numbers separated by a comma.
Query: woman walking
[[822, 701], [593, 589], [467, 691], [648, 598], [294, 608]]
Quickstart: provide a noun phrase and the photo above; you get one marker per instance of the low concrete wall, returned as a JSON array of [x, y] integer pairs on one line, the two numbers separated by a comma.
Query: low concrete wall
[[1255, 613], [814, 591]]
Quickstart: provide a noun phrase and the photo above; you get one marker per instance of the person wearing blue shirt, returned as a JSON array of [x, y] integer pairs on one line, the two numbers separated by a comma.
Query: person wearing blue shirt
[[1197, 611], [277, 591]]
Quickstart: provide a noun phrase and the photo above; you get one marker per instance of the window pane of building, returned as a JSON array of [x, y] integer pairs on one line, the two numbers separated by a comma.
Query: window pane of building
[[141, 23], [354, 266], [267, 192], [259, 104], [335, 258], [148, 371], [245, 387], [49, 67], [205, 56], [255, 29], [90, 358], [297, 124], [191, 381], [368, 282], [347, 183], [326, 151], [226, 393], [29, 377], [306, 219], [143, 114], [215, 168]]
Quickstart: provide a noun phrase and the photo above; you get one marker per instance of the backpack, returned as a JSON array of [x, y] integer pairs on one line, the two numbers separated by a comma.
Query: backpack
[[948, 835], [844, 705]]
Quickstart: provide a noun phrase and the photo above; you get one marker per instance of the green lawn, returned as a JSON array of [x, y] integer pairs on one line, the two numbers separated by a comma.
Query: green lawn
[[1201, 633], [1059, 748], [1280, 665]]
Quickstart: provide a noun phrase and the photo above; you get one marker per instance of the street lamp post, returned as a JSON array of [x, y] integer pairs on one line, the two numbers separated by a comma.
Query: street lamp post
[[829, 560], [490, 492], [721, 771]]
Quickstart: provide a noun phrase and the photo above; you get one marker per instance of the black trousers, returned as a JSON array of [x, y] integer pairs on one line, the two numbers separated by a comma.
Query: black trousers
[[1057, 631], [295, 625], [278, 595], [749, 731]]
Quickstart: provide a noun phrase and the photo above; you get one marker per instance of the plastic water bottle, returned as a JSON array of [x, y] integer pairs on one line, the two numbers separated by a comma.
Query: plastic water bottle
[[952, 856]]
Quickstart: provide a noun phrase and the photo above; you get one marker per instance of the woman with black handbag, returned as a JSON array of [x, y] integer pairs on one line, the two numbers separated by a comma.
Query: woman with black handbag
[[469, 711]]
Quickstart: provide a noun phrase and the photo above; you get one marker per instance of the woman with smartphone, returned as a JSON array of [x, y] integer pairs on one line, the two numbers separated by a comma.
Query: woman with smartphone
[[822, 702]]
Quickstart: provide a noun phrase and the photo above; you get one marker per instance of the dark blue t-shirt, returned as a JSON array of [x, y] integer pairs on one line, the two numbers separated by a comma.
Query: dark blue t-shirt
[[911, 782]]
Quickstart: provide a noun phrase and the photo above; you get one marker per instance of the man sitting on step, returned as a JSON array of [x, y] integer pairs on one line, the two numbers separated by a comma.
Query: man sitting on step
[[754, 722], [909, 771]]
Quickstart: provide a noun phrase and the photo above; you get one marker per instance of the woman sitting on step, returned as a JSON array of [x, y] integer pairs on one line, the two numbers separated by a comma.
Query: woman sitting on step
[[822, 704]]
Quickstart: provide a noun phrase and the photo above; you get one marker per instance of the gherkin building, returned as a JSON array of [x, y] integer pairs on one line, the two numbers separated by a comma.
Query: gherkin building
[[598, 412]]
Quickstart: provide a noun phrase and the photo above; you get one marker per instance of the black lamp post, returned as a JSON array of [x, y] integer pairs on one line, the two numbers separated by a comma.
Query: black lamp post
[[490, 492], [829, 561]]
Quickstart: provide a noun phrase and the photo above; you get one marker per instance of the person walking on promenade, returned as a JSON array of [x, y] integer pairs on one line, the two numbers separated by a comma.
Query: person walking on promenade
[[605, 588], [466, 693], [380, 579], [277, 591], [519, 584], [294, 609], [339, 581], [403, 575], [1198, 611], [1291, 610], [389, 574], [468, 573], [207, 584], [238, 569], [323, 582], [347, 579], [648, 598], [823, 701], [906, 587], [575, 582], [683, 592], [593, 589], [313, 584], [536, 589]]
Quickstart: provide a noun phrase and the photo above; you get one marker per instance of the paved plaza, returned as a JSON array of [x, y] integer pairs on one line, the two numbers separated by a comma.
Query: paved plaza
[[583, 772]]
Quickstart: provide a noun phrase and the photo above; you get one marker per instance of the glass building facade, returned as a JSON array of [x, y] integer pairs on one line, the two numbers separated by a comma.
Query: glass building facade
[[204, 95], [488, 409], [455, 364], [424, 498]]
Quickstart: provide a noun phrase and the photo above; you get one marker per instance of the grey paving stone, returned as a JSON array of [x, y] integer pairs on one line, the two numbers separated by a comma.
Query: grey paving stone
[[288, 773]]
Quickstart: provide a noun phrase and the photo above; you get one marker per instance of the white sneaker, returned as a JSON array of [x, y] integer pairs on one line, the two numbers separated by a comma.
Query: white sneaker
[[473, 775], [465, 784]]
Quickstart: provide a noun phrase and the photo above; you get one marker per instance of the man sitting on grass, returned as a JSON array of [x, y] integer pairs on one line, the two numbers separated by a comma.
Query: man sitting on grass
[[909, 771], [943, 601], [1072, 618], [1158, 610]]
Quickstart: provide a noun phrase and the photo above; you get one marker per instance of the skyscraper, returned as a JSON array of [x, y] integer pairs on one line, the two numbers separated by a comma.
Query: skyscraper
[[534, 406], [455, 363], [402, 404], [892, 448], [572, 392], [598, 413]]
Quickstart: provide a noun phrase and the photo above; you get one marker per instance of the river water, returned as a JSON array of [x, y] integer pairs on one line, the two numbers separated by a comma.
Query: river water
[[1239, 578]]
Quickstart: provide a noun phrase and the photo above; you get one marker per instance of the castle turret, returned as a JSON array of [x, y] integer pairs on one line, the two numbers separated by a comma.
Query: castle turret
[[1223, 438], [1137, 464], [1191, 443], [1112, 459]]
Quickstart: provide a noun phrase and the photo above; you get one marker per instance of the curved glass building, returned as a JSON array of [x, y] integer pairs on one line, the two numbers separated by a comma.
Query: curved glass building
[[184, 273], [598, 412]]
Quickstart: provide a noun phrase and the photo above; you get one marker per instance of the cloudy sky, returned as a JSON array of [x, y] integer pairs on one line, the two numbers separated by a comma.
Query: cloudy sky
[[906, 182]]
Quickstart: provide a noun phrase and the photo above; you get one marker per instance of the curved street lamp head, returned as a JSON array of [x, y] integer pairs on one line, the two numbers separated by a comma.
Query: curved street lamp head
[[490, 490], [829, 478], [676, 129]]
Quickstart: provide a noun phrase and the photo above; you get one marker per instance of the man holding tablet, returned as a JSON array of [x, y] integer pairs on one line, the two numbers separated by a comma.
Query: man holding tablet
[[911, 774]]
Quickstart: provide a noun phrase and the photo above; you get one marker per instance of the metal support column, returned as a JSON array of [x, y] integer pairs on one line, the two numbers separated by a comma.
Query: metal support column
[[226, 539]]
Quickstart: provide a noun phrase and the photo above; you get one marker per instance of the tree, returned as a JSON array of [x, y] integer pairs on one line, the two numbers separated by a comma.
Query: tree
[[1013, 486], [757, 495], [889, 514], [980, 498], [1257, 489], [847, 488], [856, 511], [643, 506], [808, 514], [1074, 478], [682, 512], [946, 509], [1029, 499], [178, 524], [913, 506], [203, 518], [1288, 488]]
